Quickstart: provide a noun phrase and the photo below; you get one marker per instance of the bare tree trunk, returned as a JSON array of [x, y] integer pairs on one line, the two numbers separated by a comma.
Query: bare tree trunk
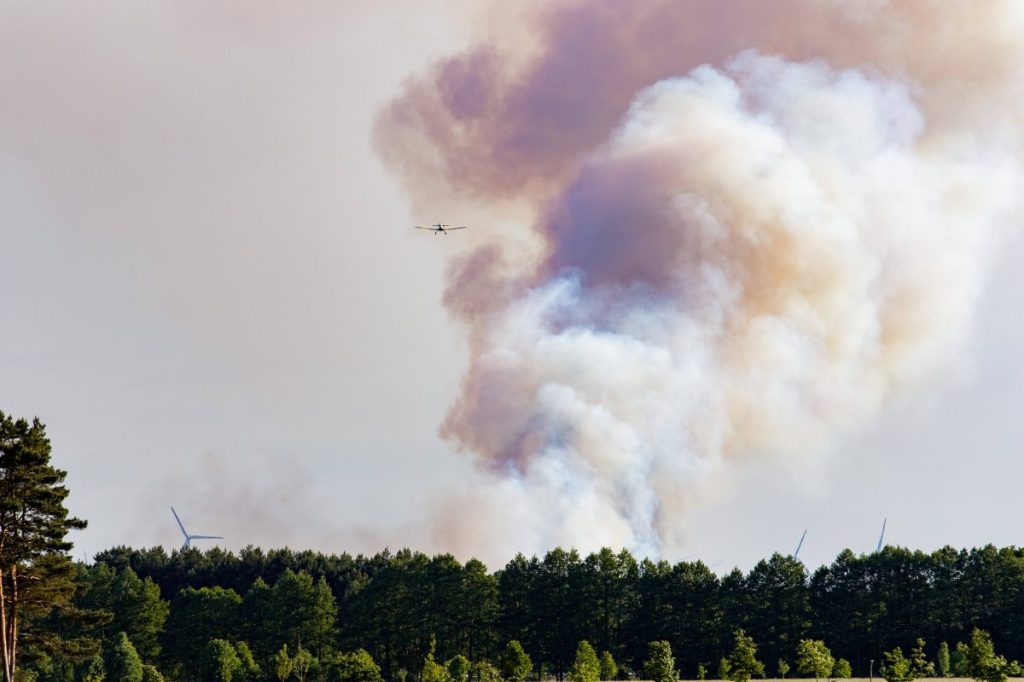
[[4, 629], [14, 619]]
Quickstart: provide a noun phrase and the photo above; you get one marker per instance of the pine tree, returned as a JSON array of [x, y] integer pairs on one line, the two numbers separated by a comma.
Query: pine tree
[[432, 670], [919, 663], [609, 669], [36, 576], [220, 662], [660, 665], [585, 667], [282, 663], [515, 664], [250, 670], [458, 668], [95, 671], [943, 660], [151, 674], [123, 663]]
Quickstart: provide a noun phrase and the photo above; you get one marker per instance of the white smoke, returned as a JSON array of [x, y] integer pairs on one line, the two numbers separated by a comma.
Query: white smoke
[[757, 258]]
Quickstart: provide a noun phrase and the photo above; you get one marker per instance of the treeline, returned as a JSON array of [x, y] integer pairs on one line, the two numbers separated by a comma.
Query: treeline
[[398, 607], [145, 616]]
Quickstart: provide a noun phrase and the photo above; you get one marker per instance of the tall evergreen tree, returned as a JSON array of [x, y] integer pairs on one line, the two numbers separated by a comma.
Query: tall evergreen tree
[[134, 604], [514, 663], [123, 663], [660, 665], [609, 669], [585, 667], [220, 662], [36, 575]]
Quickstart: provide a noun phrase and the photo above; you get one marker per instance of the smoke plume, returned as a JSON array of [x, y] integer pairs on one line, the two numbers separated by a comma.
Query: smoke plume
[[754, 224]]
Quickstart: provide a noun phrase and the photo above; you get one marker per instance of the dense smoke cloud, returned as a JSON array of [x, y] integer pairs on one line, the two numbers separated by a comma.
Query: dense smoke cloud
[[757, 223]]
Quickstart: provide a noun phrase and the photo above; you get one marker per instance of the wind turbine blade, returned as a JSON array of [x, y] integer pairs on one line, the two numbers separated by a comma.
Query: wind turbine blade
[[881, 538], [183, 531], [800, 544], [205, 537]]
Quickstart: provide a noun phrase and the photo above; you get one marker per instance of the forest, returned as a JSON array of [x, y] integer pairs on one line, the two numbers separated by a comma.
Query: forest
[[144, 615], [394, 605]]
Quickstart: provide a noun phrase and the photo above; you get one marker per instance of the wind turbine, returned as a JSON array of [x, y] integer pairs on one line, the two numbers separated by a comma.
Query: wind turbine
[[800, 544], [881, 537], [190, 538]]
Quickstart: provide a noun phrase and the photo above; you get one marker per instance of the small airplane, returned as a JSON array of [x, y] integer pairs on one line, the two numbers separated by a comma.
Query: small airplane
[[443, 228]]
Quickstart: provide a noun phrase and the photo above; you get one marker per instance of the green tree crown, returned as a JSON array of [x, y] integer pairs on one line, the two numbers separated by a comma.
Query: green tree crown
[[515, 664], [743, 663], [609, 669], [123, 662], [660, 664], [585, 666]]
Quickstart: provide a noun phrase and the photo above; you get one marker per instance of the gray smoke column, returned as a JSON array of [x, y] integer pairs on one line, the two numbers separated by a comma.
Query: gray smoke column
[[757, 223]]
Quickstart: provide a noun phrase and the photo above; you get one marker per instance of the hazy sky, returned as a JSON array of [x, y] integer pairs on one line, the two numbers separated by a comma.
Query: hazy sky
[[213, 299]]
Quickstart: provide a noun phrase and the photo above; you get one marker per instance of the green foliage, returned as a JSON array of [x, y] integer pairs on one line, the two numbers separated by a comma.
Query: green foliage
[[196, 617], [702, 672], [95, 671], [250, 670], [814, 658], [943, 660], [585, 667], [219, 662], [36, 576], [724, 668], [609, 669], [743, 663], [432, 670], [281, 663], [660, 664], [458, 668], [357, 666], [782, 668], [919, 663], [483, 671], [981, 661], [302, 663], [151, 674], [777, 609], [842, 669], [515, 664], [134, 605], [897, 668], [122, 662]]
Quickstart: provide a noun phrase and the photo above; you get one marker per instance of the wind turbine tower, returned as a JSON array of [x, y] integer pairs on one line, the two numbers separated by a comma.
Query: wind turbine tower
[[190, 538], [800, 544], [881, 538]]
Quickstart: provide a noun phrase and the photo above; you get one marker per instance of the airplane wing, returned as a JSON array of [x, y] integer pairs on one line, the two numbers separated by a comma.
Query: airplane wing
[[461, 227], [179, 522], [424, 227]]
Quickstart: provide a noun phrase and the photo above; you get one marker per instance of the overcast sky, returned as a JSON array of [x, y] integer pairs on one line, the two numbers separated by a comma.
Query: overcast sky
[[213, 299]]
